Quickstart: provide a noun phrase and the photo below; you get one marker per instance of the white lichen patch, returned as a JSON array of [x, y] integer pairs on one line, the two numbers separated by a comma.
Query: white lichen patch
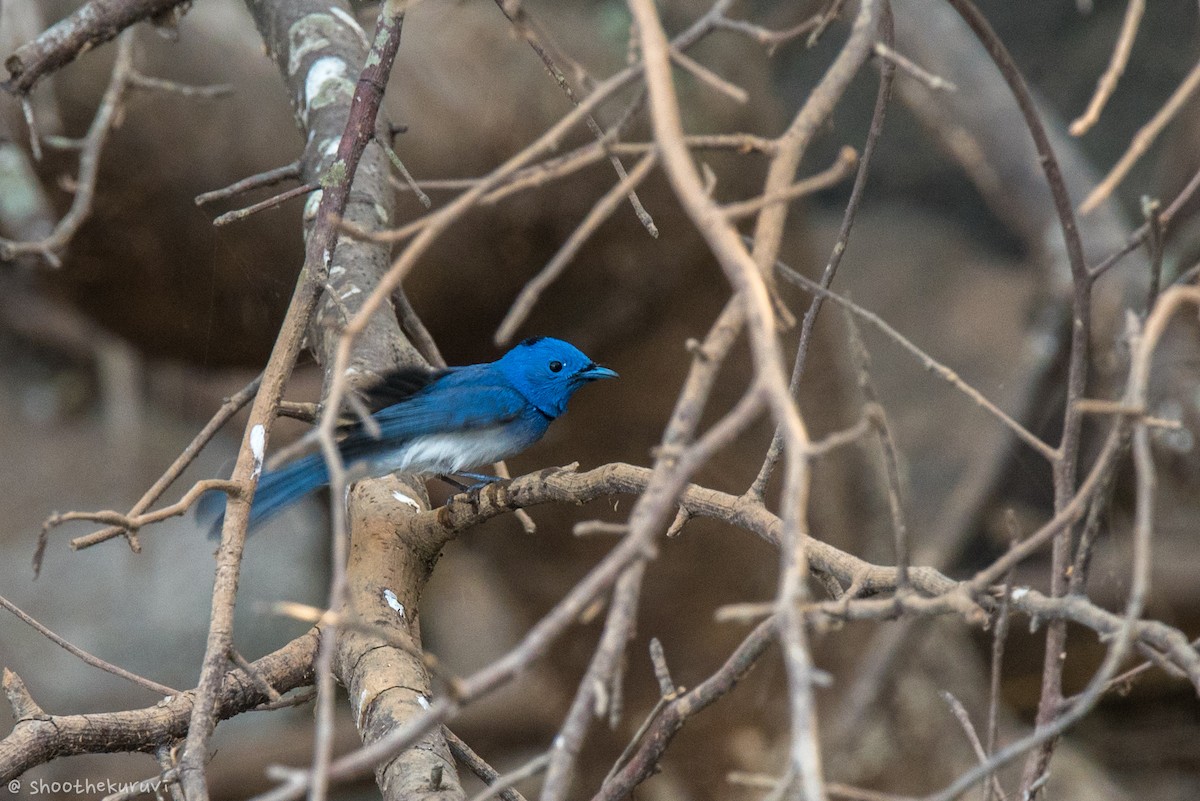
[[351, 292], [362, 709], [326, 83], [393, 602], [329, 147], [404, 499], [258, 446], [306, 35], [423, 701], [311, 205], [352, 24]]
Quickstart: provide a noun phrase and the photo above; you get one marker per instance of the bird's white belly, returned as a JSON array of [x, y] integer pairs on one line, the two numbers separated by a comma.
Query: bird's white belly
[[448, 453]]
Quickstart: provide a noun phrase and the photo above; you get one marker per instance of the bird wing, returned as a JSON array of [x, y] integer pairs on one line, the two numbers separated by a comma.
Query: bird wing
[[442, 407], [399, 385]]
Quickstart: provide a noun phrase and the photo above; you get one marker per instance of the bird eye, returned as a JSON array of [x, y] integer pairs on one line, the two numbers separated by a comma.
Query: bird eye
[[555, 366]]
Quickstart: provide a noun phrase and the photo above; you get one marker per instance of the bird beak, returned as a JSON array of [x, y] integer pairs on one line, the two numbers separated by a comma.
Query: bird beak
[[593, 372]]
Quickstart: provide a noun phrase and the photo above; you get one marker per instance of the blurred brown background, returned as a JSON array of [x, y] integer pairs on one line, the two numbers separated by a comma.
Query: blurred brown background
[[109, 365]]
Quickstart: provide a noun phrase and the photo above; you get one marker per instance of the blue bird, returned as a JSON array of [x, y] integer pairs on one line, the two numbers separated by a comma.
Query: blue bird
[[438, 422]]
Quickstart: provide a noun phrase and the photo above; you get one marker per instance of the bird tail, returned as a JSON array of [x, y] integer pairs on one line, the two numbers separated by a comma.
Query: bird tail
[[277, 489]]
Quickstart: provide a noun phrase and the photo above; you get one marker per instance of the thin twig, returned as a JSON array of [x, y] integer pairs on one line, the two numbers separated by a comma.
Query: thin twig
[[935, 82], [516, 13], [89, 164], [951, 377], [270, 203], [139, 81], [878, 116], [268, 178], [599, 213], [404, 173], [1116, 67], [1142, 140], [229, 408], [531, 768], [846, 160], [486, 773], [94, 661], [707, 76]]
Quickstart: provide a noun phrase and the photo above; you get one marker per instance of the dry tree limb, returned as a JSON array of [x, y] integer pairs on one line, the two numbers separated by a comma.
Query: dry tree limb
[[748, 278], [653, 743], [356, 128], [878, 115], [90, 25], [603, 671], [131, 523], [37, 739], [387, 678], [936, 594]]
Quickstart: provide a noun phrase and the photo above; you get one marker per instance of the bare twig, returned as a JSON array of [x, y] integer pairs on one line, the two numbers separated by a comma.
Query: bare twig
[[486, 773], [1116, 66], [89, 162], [269, 178], [228, 409], [836, 173], [139, 81], [710, 78], [270, 203], [1142, 140], [603, 209], [94, 661], [529, 30], [90, 25], [882, 97], [906, 65]]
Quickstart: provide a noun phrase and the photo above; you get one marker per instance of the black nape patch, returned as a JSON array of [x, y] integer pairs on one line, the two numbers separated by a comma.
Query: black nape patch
[[398, 385], [530, 341]]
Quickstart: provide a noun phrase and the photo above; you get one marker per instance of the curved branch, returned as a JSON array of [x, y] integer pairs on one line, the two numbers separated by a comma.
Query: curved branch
[[89, 26], [38, 738]]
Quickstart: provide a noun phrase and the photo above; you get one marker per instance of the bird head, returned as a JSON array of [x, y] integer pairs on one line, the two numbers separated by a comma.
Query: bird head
[[548, 371]]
